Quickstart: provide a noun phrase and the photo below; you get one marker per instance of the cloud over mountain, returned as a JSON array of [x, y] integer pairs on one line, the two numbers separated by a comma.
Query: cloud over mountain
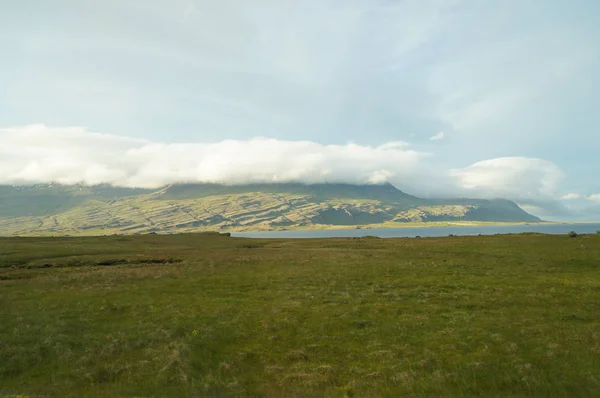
[[38, 153]]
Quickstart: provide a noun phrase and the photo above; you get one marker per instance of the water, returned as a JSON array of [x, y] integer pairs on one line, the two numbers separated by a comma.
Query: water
[[556, 229]]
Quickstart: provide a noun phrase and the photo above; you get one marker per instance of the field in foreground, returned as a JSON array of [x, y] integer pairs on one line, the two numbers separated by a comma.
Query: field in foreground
[[198, 315]]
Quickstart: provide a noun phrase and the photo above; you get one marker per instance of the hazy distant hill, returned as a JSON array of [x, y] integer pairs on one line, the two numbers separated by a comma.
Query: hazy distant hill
[[59, 209]]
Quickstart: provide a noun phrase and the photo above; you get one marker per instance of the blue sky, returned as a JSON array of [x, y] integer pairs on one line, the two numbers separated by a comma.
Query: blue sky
[[490, 98]]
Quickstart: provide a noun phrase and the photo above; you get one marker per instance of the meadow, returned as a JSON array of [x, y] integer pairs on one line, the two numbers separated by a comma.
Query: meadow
[[211, 315]]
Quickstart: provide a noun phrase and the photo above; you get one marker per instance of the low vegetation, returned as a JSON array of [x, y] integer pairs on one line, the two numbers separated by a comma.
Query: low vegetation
[[211, 315]]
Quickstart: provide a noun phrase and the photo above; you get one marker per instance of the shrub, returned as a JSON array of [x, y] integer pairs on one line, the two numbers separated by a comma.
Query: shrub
[[112, 261], [572, 234], [251, 246]]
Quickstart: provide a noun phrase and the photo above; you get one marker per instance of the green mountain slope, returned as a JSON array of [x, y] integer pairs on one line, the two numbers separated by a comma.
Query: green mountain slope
[[56, 209]]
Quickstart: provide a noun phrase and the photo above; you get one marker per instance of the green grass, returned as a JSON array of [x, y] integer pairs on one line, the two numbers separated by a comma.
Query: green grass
[[202, 315]]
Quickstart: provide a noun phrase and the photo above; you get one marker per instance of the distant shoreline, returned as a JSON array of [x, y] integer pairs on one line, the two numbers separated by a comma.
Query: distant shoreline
[[315, 227], [390, 225], [433, 231]]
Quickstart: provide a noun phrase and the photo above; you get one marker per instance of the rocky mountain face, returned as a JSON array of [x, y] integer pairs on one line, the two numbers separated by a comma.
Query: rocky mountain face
[[58, 209]]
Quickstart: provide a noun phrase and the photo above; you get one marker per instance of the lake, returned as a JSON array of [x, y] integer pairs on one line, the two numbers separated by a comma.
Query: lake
[[555, 229]]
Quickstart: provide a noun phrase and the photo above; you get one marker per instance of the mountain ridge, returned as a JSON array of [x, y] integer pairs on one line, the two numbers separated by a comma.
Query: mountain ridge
[[80, 209]]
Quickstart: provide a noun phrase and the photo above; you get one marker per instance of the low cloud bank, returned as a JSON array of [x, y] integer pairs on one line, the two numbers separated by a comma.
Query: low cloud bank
[[40, 154], [35, 154]]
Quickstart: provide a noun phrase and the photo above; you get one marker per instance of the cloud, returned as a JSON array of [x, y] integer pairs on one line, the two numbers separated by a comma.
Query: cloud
[[512, 177], [569, 207], [496, 96], [41, 154], [548, 210], [324, 71], [38, 153], [439, 136], [584, 209]]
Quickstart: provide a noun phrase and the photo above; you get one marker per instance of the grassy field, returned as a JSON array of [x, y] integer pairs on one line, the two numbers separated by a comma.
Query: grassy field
[[199, 315]]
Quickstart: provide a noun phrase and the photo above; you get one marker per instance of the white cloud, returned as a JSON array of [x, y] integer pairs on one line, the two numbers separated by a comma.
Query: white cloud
[[510, 177], [595, 197], [439, 136], [571, 196], [38, 153]]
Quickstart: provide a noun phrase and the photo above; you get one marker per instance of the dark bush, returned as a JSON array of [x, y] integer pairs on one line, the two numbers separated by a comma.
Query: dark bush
[[572, 234], [251, 246], [111, 262]]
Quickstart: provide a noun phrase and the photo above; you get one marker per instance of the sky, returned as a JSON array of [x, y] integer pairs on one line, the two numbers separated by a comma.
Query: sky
[[473, 98]]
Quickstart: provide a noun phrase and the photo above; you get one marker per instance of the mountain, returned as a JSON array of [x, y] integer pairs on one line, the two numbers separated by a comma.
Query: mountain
[[78, 209]]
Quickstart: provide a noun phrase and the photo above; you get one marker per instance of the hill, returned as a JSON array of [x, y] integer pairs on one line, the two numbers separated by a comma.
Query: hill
[[59, 209]]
